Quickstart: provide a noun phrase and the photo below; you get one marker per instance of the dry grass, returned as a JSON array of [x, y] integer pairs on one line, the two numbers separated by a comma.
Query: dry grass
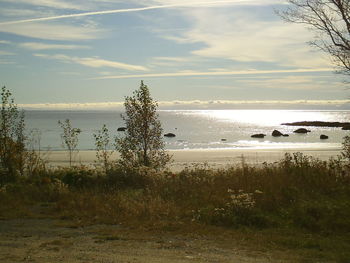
[[299, 203]]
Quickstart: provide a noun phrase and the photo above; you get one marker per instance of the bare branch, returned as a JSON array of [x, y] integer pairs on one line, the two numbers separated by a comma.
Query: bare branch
[[330, 19]]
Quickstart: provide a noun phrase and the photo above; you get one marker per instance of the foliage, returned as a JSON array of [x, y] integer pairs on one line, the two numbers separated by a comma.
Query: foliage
[[346, 148], [79, 177], [142, 144], [35, 163], [12, 138], [69, 138], [121, 177], [330, 19], [102, 144], [299, 192], [300, 195]]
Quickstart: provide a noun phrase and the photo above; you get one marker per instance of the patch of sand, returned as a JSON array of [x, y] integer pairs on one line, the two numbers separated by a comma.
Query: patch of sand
[[215, 158]]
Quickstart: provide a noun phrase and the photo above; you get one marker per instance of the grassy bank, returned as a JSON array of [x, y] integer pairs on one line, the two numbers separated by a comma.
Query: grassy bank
[[298, 203]]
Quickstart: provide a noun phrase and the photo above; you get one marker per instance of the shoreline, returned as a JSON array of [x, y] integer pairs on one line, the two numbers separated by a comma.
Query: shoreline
[[215, 158]]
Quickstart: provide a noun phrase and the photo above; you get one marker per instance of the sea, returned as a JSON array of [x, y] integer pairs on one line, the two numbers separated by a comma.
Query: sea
[[196, 129]]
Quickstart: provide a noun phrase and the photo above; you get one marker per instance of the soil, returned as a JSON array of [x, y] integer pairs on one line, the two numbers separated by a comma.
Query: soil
[[53, 240]]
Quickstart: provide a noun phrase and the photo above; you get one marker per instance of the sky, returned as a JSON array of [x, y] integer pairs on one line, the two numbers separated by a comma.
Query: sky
[[191, 54]]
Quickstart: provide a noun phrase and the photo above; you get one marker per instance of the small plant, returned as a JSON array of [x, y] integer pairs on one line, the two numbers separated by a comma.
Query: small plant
[[241, 200], [102, 143], [69, 138]]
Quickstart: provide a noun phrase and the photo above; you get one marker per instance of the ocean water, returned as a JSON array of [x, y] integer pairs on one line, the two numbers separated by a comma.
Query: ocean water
[[200, 129]]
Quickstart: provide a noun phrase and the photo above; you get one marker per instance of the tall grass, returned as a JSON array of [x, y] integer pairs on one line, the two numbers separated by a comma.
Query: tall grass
[[297, 192]]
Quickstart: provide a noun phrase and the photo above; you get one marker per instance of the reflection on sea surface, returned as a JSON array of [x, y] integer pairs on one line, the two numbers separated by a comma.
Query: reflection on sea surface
[[201, 129]]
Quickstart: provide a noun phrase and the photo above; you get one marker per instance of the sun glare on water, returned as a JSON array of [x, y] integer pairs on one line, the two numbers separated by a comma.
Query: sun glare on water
[[266, 117]]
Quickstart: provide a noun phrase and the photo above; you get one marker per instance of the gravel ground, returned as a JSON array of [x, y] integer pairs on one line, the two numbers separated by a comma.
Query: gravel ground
[[49, 240]]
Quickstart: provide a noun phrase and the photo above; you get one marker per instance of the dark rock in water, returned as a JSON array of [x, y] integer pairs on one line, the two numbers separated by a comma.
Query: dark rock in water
[[223, 140], [169, 134], [259, 135], [277, 133], [323, 137], [302, 130], [285, 135], [319, 124], [121, 129], [346, 128]]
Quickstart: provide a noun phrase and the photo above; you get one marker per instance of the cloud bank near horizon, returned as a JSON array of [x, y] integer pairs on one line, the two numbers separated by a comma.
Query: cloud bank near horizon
[[190, 104]]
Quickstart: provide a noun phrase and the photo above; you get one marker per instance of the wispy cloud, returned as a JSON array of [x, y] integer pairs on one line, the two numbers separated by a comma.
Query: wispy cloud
[[199, 2], [69, 73], [215, 73], [53, 31], [210, 46], [20, 13], [301, 82], [6, 62], [248, 37], [58, 4], [128, 10], [175, 62], [44, 46], [172, 59], [94, 62], [6, 53]]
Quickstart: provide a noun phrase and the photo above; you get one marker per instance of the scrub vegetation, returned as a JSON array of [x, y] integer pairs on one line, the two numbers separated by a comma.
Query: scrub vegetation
[[299, 203]]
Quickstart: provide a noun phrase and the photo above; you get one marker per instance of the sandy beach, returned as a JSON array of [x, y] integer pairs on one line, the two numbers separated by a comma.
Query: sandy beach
[[216, 158]]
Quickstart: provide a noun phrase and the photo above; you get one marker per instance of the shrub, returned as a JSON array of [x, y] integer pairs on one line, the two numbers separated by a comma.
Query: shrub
[[103, 153], [12, 138], [346, 148], [69, 138], [142, 144]]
